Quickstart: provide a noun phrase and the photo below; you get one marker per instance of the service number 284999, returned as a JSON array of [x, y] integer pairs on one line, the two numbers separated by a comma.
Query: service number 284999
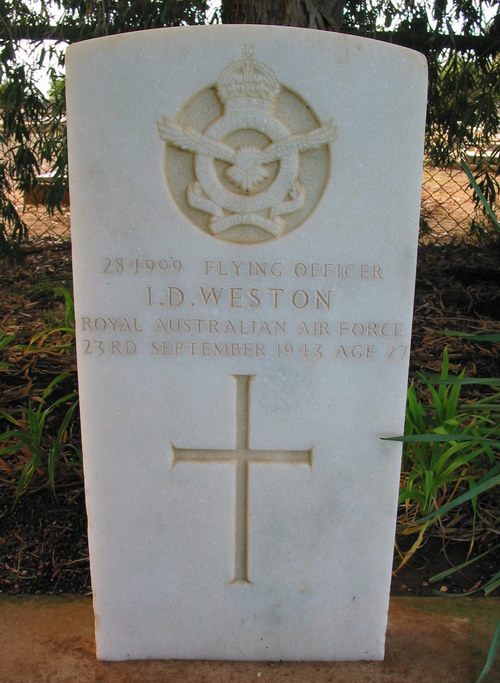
[[121, 265]]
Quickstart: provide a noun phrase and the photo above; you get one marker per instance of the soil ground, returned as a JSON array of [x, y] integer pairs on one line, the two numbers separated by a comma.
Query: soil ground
[[429, 640], [43, 544]]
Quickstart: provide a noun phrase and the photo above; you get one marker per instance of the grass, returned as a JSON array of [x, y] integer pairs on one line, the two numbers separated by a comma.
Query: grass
[[58, 326], [492, 652], [488, 209], [5, 340], [40, 439], [450, 447], [489, 587], [450, 453], [41, 443]]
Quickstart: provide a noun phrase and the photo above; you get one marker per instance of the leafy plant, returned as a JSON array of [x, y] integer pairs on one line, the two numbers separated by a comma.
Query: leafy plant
[[449, 454], [69, 308], [491, 585], [5, 340], [482, 413], [42, 449], [64, 327], [487, 206]]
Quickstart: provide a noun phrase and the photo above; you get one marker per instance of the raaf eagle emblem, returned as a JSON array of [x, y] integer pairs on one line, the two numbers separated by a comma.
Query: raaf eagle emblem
[[262, 181]]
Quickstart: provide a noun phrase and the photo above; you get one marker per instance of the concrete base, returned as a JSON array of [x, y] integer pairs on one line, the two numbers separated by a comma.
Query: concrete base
[[430, 640]]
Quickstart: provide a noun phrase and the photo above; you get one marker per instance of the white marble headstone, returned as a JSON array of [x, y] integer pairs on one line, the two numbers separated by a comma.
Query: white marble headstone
[[245, 207]]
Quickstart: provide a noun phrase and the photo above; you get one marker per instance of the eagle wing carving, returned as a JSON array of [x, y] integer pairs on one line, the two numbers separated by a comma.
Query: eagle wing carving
[[298, 143], [193, 141]]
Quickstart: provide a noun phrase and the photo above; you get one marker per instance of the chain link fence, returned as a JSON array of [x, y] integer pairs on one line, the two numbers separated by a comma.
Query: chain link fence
[[447, 207], [44, 227], [448, 210]]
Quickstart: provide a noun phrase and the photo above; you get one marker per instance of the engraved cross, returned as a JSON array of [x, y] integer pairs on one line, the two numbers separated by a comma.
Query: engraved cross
[[242, 456]]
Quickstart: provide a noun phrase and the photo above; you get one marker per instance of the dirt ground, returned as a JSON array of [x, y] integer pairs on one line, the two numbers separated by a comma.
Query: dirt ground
[[429, 640]]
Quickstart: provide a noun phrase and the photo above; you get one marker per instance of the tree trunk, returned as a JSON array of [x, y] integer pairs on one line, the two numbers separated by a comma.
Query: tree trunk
[[319, 14]]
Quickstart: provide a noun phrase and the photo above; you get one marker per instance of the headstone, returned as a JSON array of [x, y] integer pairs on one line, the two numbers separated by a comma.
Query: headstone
[[245, 207]]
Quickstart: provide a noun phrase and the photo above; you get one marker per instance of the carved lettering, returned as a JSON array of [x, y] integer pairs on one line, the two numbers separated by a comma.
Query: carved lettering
[[170, 297], [370, 329], [339, 271], [211, 326], [314, 329], [240, 297], [355, 352], [89, 324], [240, 268], [114, 347], [208, 349]]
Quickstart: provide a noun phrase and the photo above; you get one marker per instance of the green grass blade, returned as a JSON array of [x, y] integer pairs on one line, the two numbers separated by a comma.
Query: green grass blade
[[453, 398], [448, 572], [492, 473], [437, 398], [6, 339], [8, 450], [490, 657], [46, 334], [7, 436], [27, 475], [69, 307], [480, 194], [51, 467], [35, 422], [474, 491], [477, 406], [434, 379], [492, 584], [64, 399], [9, 418], [471, 336], [57, 380], [65, 422], [460, 461], [438, 438]]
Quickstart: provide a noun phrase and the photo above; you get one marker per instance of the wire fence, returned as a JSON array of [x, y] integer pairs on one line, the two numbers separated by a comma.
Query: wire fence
[[448, 208], [447, 211]]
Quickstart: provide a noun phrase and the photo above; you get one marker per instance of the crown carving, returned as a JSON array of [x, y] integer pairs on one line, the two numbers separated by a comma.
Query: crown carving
[[247, 79]]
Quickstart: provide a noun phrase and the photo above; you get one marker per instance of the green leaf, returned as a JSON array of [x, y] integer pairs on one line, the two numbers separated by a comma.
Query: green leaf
[[7, 436], [5, 339], [492, 584], [9, 418], [438, 438], [490, 657], [464, 498], [478, 406], [448, 572], [434, 379], [57, 380], [480, 194], [472, 336]]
